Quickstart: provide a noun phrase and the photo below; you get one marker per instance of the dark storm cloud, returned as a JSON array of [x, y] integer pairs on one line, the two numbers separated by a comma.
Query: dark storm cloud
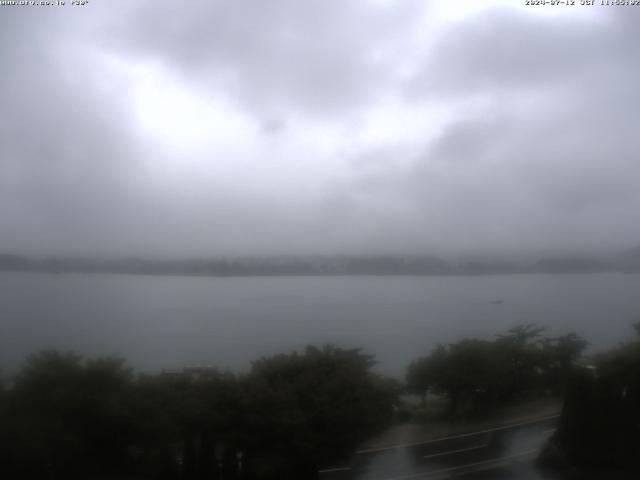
[[318, 55], [519, 135], [73, 169], [519, 183], [550, 159], [63, 151], [506, 49]]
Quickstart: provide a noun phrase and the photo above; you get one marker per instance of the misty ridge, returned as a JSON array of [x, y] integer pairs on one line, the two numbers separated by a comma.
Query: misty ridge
[[316, 265]]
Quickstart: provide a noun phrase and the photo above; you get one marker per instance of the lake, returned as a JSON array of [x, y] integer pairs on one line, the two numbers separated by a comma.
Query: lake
[[160, 322]]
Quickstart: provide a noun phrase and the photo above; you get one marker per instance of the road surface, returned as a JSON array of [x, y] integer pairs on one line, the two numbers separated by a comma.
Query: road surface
[[505, 452]]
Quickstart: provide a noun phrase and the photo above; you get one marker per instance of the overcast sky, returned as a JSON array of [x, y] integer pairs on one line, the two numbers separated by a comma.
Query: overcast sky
[[200, 128]]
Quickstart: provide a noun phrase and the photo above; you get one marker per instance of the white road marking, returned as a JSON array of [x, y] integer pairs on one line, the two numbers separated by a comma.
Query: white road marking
[[492, 463], [337, 469], [451, 452], [454, 437]]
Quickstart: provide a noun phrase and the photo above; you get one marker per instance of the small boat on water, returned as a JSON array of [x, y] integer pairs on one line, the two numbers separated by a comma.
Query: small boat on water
[[497, 302]]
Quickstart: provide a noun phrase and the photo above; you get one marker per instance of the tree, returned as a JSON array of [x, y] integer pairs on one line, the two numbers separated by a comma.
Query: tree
[[68, 418], [559, 359], [600, 422], [478, 374], [422, 373], [519, 353], [314, 407]]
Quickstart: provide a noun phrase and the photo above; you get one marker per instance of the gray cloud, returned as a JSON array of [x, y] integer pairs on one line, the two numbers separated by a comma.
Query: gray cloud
[[505, 49], [319, 55], [66, 154], [508, 131]]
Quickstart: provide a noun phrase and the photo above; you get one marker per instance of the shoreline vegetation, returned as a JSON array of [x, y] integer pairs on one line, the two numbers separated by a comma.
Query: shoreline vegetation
[[318, 265], [62, 416], [66, 417]]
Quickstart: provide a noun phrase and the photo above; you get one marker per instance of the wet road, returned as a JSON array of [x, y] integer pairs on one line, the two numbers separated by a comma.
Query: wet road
[[506, 452]]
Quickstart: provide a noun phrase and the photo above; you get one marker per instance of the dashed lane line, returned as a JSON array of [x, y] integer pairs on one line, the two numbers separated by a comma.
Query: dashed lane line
[[337, 469], [451, 452]]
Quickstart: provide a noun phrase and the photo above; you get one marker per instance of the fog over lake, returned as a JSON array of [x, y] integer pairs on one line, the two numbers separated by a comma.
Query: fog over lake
[[170, 322], [215, 182], [470, 129]]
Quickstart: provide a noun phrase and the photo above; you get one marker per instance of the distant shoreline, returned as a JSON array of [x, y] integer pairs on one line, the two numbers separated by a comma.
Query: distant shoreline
[[316, 266]]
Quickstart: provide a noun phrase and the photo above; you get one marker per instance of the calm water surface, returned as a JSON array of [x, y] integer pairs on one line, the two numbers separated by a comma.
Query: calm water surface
[[165, 322]]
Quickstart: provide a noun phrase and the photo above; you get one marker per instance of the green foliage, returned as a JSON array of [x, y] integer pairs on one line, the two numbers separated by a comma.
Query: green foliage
[[479, 374], [600, 423], [317, 405], [426, 373], [560, 355], [66, 417]]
